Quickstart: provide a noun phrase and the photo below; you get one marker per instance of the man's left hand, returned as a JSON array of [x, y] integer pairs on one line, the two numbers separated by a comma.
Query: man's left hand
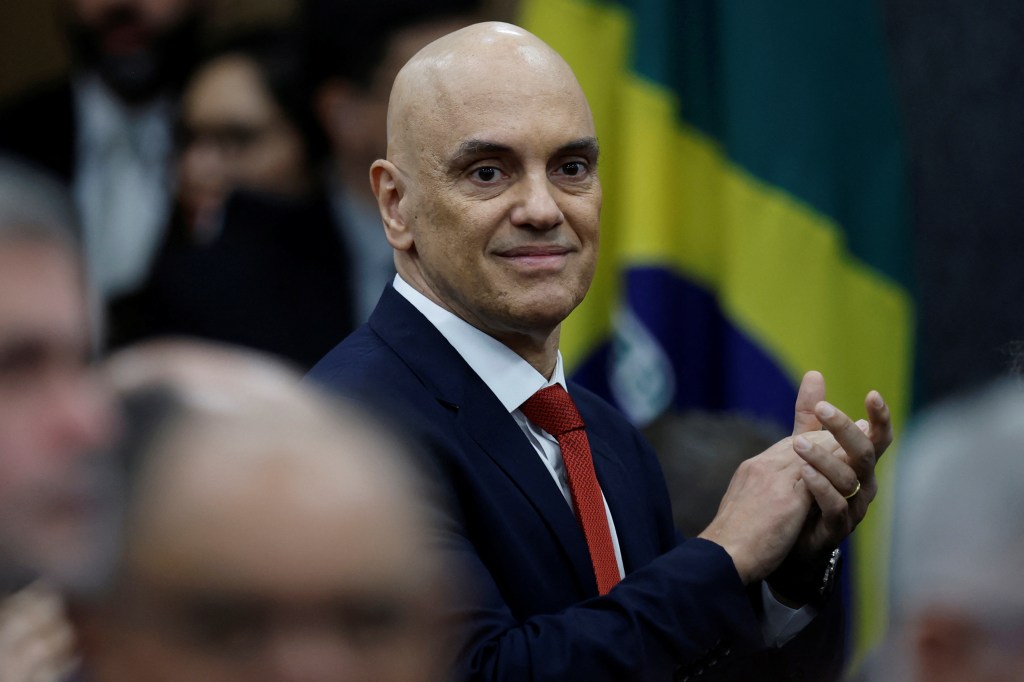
[[839, 474]]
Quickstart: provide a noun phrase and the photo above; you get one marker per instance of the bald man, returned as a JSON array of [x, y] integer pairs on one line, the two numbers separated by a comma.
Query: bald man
[[490, 199], [267, 535]]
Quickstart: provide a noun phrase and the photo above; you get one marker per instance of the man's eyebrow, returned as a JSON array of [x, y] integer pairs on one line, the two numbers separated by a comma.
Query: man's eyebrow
[[475, 147], [585, 146]]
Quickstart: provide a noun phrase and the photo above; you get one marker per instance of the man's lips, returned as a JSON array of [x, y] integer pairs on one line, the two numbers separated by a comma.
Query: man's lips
[[540, 256], [125, 38], [534, 251]]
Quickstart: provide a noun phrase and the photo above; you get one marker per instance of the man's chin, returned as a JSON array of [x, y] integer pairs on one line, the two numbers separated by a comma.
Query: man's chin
[[540, 316], [134, 78], [56, 544], [139, 75]]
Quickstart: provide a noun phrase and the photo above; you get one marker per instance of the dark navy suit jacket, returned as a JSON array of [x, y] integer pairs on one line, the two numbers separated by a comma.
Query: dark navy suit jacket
[[534, 612]]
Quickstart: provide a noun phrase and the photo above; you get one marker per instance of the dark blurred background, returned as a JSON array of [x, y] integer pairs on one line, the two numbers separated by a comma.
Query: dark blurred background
[[959, 71]]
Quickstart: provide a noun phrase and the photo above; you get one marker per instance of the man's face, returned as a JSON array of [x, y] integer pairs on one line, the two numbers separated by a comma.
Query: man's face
[[502, 198], [952, 645], [234, 135], [274, 575], [52, 411], [124, 27], [138, 46]]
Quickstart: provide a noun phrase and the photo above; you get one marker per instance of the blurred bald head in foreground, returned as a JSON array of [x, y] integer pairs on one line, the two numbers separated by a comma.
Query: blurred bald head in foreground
[[958, 544], [269, 534]]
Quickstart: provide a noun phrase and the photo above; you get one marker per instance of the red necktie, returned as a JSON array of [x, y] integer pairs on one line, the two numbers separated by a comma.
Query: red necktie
[[554, 411]]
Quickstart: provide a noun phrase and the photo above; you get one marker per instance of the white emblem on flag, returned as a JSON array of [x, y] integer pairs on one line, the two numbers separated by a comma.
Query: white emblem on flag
[[641, 376]]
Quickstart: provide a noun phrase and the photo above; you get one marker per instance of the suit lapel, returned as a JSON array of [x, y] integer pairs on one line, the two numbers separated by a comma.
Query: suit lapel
[[497, 434], [482, 416]]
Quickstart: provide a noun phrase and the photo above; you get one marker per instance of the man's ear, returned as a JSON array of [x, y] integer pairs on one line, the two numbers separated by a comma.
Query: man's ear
[[387, 185]]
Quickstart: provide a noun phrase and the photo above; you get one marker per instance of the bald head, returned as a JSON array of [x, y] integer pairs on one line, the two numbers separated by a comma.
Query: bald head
[[470, 68], [231, 488], [269, 533]]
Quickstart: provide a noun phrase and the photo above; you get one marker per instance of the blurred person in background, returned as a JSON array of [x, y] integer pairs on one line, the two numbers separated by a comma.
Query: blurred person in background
[[356, 50], [268, 534], [106, 128], [246, 123], [55, 491], [253, 257], [699, 452], [957, 607]]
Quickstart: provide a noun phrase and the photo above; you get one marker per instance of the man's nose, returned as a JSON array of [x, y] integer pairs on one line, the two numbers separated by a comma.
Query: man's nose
[[536, 206], [82, 413], [308, 654]]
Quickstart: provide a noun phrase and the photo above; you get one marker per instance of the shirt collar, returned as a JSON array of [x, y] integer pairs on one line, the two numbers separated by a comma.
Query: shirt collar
[[511, 378], [102, 117]]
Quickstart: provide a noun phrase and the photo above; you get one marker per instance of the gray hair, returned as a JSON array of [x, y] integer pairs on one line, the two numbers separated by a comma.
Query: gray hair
[[958, 537], [34, 204]]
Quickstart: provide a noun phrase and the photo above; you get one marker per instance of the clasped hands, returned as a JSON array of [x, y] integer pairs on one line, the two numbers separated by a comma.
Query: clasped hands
[[787, 508]]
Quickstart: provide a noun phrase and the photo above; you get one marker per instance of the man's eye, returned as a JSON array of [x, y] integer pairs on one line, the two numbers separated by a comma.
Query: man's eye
[[574, 168], [486, 174]]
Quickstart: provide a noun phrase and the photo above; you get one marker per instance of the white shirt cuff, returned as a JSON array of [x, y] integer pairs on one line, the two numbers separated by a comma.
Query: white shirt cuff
[[781, 623]]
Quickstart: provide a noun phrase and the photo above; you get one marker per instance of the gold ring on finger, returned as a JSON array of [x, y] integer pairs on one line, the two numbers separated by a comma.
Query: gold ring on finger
[[855, 491]]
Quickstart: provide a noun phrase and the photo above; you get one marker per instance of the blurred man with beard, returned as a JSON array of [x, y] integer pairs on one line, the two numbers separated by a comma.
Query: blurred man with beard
[[54, 488], [106, 128]]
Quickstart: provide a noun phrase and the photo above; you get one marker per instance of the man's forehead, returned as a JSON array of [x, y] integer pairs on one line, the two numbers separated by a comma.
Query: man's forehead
[[476, 75]]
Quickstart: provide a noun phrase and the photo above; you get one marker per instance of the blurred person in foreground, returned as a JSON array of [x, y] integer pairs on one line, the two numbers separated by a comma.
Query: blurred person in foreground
[[252, 257], [356, 49], [490, 199], [55, 492], [957, 609], [106, 127], [269, 534]]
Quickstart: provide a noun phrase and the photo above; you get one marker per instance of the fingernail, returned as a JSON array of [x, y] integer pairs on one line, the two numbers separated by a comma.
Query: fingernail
[[862, 424], [826, 410], [801, 444], [877, 401]]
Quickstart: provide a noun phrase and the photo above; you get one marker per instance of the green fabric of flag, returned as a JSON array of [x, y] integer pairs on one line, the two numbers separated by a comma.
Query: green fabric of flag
[[756, 217]]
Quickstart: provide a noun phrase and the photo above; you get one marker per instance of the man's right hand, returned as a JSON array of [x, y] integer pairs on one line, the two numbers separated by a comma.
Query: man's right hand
[[762, 512]]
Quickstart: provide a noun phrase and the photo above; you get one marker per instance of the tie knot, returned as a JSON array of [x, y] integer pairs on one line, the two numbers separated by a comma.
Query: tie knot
[[553, 410]]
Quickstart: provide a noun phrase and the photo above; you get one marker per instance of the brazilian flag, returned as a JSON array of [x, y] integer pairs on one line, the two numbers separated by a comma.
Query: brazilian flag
[[755, 222]]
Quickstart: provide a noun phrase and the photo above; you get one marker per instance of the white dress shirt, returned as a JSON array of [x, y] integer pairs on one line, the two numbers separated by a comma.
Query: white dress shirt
[[123, 183], [513, 380]]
